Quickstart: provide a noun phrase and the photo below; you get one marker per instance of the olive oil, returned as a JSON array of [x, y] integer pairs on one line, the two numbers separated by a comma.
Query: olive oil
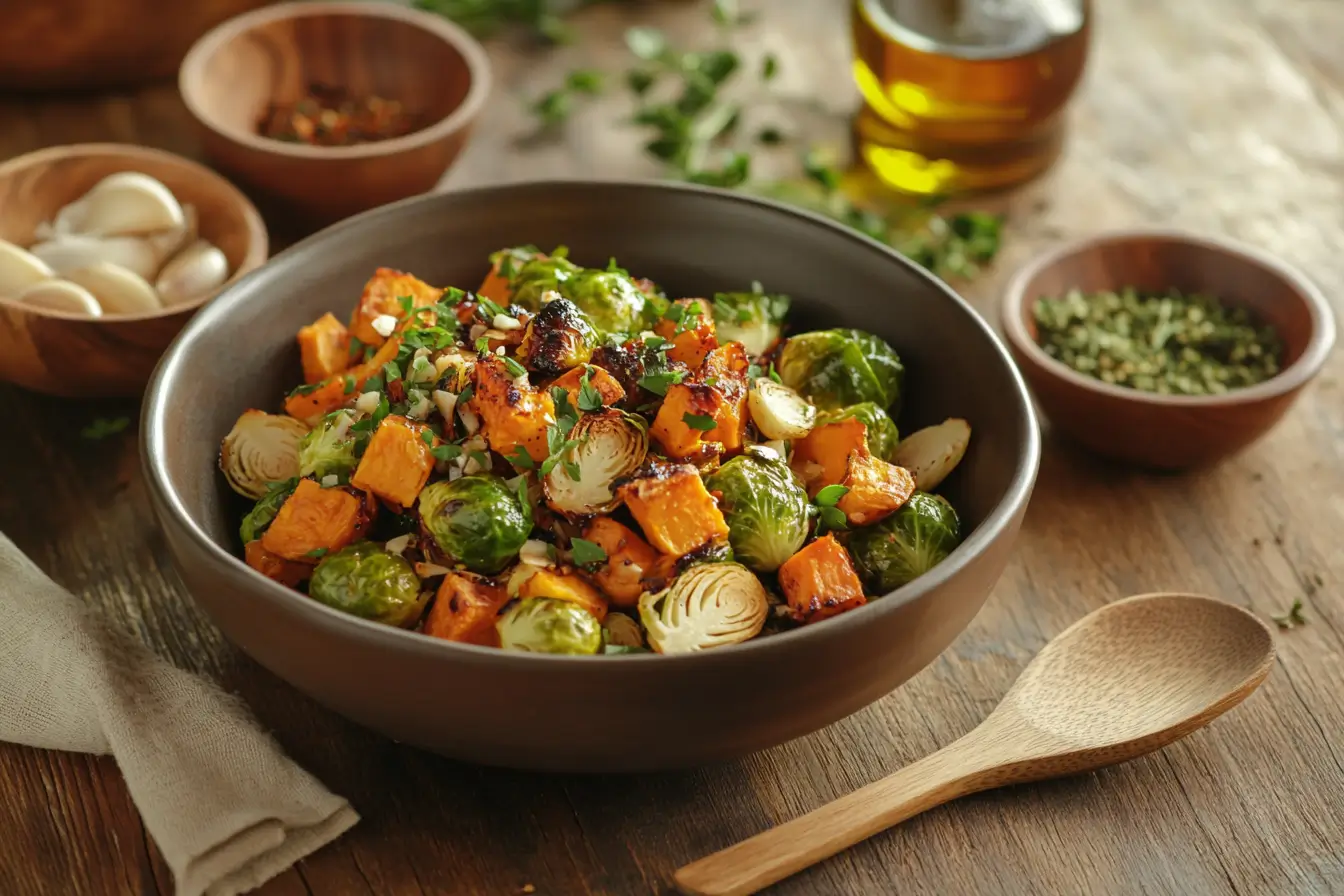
[[964, 95]]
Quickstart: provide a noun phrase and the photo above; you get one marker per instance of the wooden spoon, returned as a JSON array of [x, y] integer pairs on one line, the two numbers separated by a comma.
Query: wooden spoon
[[1124, 680]]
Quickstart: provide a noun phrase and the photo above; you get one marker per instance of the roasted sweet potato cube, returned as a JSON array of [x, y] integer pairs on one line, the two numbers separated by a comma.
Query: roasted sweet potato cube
[[725, 369], [675, 511], [397, 462], [692, 336], [876, 489], [324, 348], [465, 609], [382, 295], [598, 377], [685, 405], [315, 521], [273, 566], [512, 416], [821, 458], [819, 581], [495, 287], [312, 405], [565, 585], [629, 559]]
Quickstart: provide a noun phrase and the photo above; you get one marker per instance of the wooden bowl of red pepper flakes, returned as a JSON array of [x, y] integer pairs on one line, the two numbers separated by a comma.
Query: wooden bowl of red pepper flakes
[[323, 110]]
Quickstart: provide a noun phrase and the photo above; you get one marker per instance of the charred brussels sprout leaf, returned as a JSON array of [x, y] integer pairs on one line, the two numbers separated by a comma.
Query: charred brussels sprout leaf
[[366, 581], [329, 449], [558, 338], [765, 506], [259, 518], [535, 278], [882, 433], [906, 544], [477, 521], [751, 318], [549, 625], [838, 368]]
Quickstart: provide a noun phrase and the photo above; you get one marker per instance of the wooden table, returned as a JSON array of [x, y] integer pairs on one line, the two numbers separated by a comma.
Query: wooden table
[[1225, 117]]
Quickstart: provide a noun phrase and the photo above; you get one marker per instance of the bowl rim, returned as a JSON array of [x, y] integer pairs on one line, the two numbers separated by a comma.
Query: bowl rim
[[154, 437], [258, 237], [191, 73], [1294, 376]]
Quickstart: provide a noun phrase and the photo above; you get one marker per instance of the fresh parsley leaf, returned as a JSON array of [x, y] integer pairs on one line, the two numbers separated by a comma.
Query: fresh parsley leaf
[[646, 43], [565, 416], [816, 167], [315, 553], [308, 389], [381, 412], [427, 436], [774, 374], [407, 304], [356, 347], [349, 383], [769, 67], [103, 427], [639, 80], [514, 368], [391, 371], [657, 343], [590, 400], [521, 459], [658, 383], [833, 519], [481, 458], [373, 384], [446, 452], [466, 394], [584, 80], [573, 470], [698, 421], [1293, 617], [711, 381], [586, 553], [830, 495], [452, 295], [552, 108], [482, 345], [734, 173]]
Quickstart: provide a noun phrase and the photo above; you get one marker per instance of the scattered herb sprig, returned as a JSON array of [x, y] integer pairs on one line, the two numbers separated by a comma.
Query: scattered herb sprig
[[1293, 618]]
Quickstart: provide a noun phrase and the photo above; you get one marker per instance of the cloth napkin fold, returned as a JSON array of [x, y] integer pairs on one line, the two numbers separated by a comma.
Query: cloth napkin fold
[[228, 809]]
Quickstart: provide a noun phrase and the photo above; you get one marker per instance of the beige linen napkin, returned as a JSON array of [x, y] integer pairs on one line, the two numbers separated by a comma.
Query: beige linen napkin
[[227, 808]]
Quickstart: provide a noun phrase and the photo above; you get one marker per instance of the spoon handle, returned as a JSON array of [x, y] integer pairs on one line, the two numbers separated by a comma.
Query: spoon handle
[[773, 855]]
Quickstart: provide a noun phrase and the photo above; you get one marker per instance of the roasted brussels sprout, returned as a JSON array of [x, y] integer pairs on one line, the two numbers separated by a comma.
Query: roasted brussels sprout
[[611, 446], [838, 368], [329, 449], [882, 433], [934, 451], [766, 508], [619, 630], [751, 318], [558, 338], [533, 279], [610, 299], [366, 581], [264, 511], [778, 411], [906, 544], [260, 449], [709, 605], [477, 521], [549, 625]]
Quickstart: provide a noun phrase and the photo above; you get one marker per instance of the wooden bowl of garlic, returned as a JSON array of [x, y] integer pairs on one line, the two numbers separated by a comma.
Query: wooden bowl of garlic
[[105, 251]]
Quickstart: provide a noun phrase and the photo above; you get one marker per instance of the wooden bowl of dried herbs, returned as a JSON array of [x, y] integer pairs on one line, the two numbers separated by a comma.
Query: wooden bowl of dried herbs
[[1164, 349]]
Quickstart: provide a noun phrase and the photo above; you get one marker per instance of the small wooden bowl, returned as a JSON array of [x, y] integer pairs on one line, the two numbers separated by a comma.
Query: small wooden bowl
[[1168, 432], [68, 354], [233, 73]]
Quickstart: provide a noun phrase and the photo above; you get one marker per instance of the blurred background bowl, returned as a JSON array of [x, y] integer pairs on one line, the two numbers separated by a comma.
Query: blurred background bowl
[[1168, 432], [436, 71], [68, 354]]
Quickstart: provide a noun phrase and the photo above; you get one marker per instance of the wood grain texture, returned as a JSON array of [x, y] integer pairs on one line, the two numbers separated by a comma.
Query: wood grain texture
[[1219, 117]]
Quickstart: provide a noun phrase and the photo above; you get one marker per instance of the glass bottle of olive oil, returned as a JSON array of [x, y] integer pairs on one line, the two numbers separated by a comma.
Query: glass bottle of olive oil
[[964, 95]]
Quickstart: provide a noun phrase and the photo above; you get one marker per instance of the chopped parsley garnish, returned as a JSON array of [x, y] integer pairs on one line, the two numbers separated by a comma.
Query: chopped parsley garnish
[[482, 345], [427, 436], [103, 427], [446, 452], [521, 459], [590, 400], [586, 553], [373, 384], [566, 418], [391, 371], [307, 389], [658, 383], [1293, 617], [831, 517], [698, 421], [316, 553], [514, 368], [349, 383]]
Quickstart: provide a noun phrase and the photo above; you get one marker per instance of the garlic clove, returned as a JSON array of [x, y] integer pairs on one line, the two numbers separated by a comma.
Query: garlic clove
[[61, 295], [126, 203], [193, 272], [72, 251], [167, 243], [20, 269], [118, 290]]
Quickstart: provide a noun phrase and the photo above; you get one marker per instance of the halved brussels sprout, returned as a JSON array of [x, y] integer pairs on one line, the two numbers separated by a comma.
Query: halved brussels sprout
[[476, 520], [883, 435], [620, 630], [765, 506], [367, 581], [329, 449], [838, 368], [612, 445], [259, 518], [906, 544], [709, 605], [778, 411], [261, 449], [934, 452], [610, 299], [558, 338], [549, 625], [538, 276], [751, 318]]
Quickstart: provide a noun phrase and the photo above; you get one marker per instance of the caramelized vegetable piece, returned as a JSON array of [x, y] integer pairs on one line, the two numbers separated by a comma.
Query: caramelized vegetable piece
[[822, 458], [685, 405], [315, 521], [324, 348], [512, 413], [565, 585], [397, 463], [629, 559], [273, 566], [725, 368], [696, 338], [675, 511], [382, 295], [819, 581], [311, 406], [605, 384], [465, 609], [877, 489]]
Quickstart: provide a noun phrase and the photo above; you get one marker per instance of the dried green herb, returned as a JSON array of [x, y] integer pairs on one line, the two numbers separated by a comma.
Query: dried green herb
[[1293, 617]]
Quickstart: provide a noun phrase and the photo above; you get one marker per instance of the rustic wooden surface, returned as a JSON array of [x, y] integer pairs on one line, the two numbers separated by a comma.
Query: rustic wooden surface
[[1226, 117]]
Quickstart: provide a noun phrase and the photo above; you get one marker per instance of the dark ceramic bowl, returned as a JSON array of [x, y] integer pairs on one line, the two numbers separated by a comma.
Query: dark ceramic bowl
[[621, 713]]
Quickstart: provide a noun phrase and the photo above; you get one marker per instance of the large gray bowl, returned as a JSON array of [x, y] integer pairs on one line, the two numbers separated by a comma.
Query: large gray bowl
[[620, 713]]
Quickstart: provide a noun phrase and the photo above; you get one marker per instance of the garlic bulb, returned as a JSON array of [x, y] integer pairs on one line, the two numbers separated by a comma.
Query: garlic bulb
[[73, 251], [19, 269], [195, 271], [118, 290], [126, 203], [61, 295]]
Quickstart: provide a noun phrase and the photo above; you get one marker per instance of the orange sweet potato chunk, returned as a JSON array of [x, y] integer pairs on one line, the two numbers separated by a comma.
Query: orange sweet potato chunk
[[877, 489], [675, 511], [314, 521], [272, 566], [324, 347], [725, 368], [598, 377], [821, 458], [382, 295], [671, 430], [511, 417], [465, 610], [697, 337], [337, 391], [397, 462], [819, 581], [629, 559], [565, 585]]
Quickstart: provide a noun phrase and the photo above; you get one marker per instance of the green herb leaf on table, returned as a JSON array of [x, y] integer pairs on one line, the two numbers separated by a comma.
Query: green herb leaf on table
[[1293, 617]]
